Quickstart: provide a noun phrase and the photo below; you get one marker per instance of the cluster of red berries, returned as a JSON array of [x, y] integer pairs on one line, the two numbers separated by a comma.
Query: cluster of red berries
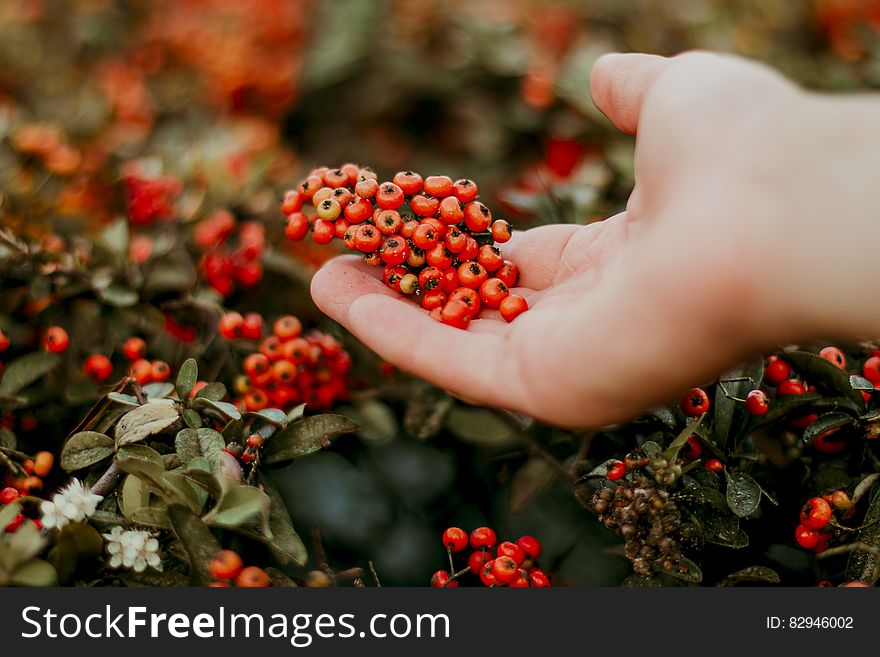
[[35, 469], [509, 563], [815, 517], [150, 199], [289, 367], [441, 251], [225, 264], [9, 495], [228, 569]]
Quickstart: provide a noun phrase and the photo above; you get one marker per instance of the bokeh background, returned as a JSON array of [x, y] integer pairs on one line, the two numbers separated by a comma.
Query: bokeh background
[[226, 103]]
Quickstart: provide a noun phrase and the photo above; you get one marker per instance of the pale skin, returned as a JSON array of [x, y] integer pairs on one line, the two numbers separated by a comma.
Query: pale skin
[[753, 223]]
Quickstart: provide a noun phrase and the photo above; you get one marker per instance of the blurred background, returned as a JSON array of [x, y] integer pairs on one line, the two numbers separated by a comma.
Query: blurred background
[[223, 104]]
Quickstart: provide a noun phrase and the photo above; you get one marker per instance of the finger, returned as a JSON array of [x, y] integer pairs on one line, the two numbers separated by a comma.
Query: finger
[[470, 364], [342, 280], [537, 253], [619, 84]]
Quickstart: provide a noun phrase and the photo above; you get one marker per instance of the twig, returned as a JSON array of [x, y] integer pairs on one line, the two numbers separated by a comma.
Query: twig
[[138, 391], [375, 575], [858, 546], [107, 483]]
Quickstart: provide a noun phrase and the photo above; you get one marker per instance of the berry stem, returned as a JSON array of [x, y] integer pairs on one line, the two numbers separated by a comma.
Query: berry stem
[[375, 574], [460, 573]]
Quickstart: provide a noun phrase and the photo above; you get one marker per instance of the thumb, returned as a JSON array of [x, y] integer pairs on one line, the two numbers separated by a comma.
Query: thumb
[[619, 84]]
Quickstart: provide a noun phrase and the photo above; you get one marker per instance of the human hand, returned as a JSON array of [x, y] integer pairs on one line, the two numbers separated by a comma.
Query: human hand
[[627, 312]]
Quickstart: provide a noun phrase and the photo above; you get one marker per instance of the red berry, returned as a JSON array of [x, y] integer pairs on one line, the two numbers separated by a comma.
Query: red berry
[[472, 275], [410, 182], [834, 356], [486, 574], [538, 578], [806, 537], [465, 190], [455, 539], [714, 465], [252, 577], [521, 581], [323, 232], [297, 226], [757, 402], [512, 306], [483, 537], [16, 522], [490, 257], [438, 186], [477, 217], [456, 313], [226, 564], [367, 239], [512, 550], [310, 185], [252, 326], [367, 188], [248, 456], [256, 364], [871, 370], [424, 206], [134, 348], [8, 495], [287, 327], [692, 449], [230, 325], [451, 211], [776, 370], [493, 291], [530, 545], [388, 222], [441, 580], [98, 367], [439, 256], [478, 559], [56, 340], [616, 470], [504, 569], [470, 297], [790, 387], [508, 273], [433, 299], [141, 371], [825, 443], [159, 370], [694, 402], [816, 513], [501, 232], [292, 202], [389, 196]]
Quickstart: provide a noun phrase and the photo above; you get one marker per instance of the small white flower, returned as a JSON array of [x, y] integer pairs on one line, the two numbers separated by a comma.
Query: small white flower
[[133, 549], [73, 503]]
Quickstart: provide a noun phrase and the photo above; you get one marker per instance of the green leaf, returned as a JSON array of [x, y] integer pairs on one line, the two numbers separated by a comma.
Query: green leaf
[[187, 377], [192, 418], [686, 571], [115, 237], [533, 477], [377, 421], [227, 410], [671, 452], [7, 438], [860, 383], [782, 408], [730, 416], [271, 415], [296, 413], [425, 412], [211, 443], [233, 430], [238, 506], [118, 296], [752, 574], [141, 461], [480, 426], [76, 544], [825, 423], [743, 493], [825, 373], [864, 566], [215, 391], [198, 541], [186, 444], [135, 495], [305, 437], [202, 477], [286, 545], [122, 398], [35, 572], [599, 472], [25, 370], [145, 421], [84, 449], [158, 390]]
